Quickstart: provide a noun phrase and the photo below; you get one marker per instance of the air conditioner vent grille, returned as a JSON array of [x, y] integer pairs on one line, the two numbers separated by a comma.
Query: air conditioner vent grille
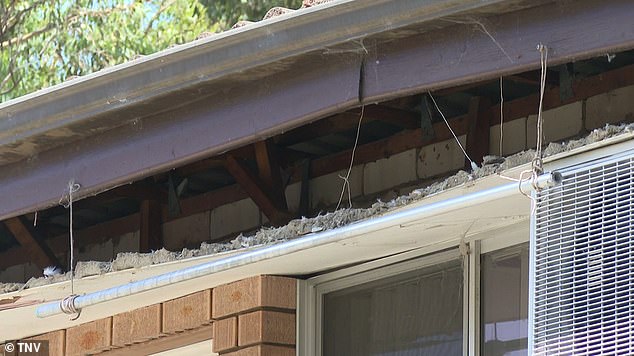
[[583, 262]]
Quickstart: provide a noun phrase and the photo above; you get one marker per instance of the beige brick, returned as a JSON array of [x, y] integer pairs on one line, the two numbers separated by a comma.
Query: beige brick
[[440, 158], [266, 327], [389, 172], [96, 252], [514, 139], [187, 231], [560, 123], [610, 107], [230, 218], [252, 293], [137, 325], [225, 334], [293, 195], [90, 337], [326, 190], [13, 274], [126, 243], [55, 343], [264, 350], [187, 312]]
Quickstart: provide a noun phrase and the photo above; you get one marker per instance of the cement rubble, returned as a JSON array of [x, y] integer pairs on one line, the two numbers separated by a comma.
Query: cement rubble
[[331, 220]]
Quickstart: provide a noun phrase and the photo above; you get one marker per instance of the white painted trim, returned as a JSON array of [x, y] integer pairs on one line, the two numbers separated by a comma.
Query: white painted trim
[[311, 342], [199, 348], [506, 237], [531, 285], [473, 311], [306, 318], [466, 278]]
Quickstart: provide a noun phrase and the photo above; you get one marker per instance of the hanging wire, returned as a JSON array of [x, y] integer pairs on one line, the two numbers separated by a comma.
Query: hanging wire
[[68, 304], [501, 118], [346, 178], [537, 164], [473, 164]]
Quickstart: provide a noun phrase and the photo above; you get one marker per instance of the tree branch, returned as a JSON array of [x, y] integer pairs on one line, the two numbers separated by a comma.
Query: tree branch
[[157, 14]]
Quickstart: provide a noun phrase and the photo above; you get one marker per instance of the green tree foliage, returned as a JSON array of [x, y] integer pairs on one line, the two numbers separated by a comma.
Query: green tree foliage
[[227, 12], [45, 42]]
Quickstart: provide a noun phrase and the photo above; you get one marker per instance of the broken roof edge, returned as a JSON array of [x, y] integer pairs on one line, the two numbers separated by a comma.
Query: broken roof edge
[[215, 57], [599, 143]]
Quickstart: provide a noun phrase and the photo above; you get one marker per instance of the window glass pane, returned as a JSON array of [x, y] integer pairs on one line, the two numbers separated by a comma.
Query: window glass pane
[[416, 313], [504, 303]]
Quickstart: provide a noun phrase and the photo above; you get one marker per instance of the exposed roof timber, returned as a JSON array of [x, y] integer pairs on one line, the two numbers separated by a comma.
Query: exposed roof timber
[[495, 217], [533, 78], [513, 110], [211, 126], [478, 131], [150, 226], [272, 203], [37, 249], [268, 162], [244, 114], [348, 121], [370, 152]]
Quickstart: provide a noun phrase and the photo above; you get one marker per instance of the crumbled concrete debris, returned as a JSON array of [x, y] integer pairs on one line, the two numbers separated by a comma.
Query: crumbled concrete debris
[[331, 220], [10, 287]]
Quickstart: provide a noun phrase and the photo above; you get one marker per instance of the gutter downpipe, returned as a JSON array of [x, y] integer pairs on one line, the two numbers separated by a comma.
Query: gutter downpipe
[[403, 217]]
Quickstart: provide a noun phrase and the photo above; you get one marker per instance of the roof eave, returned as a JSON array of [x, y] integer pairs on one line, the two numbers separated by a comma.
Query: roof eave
[[213, 58]]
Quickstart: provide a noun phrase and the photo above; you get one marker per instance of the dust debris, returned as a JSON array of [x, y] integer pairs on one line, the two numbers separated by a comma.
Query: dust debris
[[322, 222]]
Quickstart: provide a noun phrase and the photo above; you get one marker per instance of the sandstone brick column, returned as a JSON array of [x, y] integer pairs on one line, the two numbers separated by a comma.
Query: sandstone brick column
[[255, 316]]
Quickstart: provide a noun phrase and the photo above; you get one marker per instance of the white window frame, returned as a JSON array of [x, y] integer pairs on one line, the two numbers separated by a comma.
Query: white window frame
[[311, 291]]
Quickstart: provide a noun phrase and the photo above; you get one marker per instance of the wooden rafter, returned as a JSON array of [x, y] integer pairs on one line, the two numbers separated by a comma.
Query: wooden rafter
[[348, 121], [137, 191], [403, 118], [400, 142], [478, 132], [269, 170], [256, 188], [150, 226], [36, 249]]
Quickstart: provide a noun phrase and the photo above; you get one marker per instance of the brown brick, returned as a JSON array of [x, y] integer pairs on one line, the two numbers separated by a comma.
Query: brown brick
[[266, 326], [225, 334], [187, 312], [253, 293], [89, 337], [55, 343], [263, 350], [136, 325]]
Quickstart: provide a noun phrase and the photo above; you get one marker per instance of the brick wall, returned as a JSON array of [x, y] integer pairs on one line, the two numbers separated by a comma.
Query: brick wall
[[254, 316]]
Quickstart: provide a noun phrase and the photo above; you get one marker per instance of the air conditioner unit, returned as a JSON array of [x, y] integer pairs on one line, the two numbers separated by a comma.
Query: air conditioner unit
[[582, 262]]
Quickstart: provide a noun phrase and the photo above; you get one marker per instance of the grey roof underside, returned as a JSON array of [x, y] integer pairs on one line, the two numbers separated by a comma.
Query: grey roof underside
[[115, 96], [228, 90]]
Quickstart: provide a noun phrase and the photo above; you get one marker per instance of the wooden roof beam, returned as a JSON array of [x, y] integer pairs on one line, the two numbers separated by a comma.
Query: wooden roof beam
[[478, 132], [268, 202], [267, 159], [36, 248]]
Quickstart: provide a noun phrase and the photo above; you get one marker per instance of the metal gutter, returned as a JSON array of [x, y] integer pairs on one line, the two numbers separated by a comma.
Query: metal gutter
[[404, 217], [212, 58]]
